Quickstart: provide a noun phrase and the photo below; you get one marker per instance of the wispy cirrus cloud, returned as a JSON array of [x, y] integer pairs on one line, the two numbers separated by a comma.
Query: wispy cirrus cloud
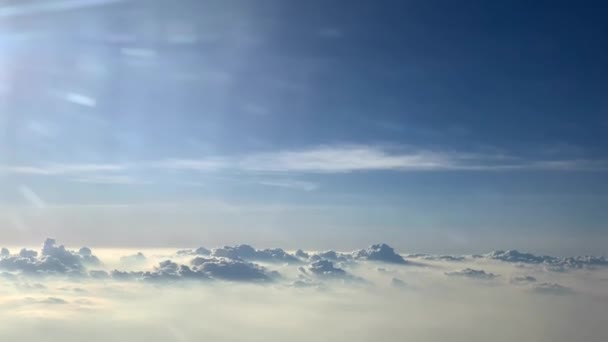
[[329, 159], [62, 169], [289, 184], [50, 6], [109, 179], [359, 158]]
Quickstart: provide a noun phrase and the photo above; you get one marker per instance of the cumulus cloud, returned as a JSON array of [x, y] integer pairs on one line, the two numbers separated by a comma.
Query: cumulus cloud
[[302, 255], [326, 268], [247, 252], [231, 269], [198, 251], [436, 257], [169, 290], [550, 262], [380, 252], [552, 288], [472, 273], [48, 300], [330, 255], [523, 280], [396, 282], [169, 270], [53, 259], [136, 258]]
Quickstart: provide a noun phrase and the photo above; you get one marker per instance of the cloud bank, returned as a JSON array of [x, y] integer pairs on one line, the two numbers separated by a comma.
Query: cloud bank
[[58, 293]]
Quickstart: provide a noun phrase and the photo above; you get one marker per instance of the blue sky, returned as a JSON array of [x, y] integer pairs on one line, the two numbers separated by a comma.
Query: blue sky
[[438, 125]]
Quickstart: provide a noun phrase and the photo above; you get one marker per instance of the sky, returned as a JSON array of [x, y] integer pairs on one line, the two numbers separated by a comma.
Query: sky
[[303, 170], [441, 127]]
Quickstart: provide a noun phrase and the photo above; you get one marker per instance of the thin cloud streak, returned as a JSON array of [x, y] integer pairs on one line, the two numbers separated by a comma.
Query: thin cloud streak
[[359, 158], [328, 160], [110, 179], [290, 184], [62, 169], [51, 6]]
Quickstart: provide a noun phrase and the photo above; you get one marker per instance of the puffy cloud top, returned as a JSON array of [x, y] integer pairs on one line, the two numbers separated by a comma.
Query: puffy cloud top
[[138, 257], [552, 288], [169, 270], [53, 259], [329, 255], [523, 280], [198, 251], [326, 268], [552, 263], [471, 273], [247, 252], [380, 252], [301, 254], [437, 257], [231, 269]]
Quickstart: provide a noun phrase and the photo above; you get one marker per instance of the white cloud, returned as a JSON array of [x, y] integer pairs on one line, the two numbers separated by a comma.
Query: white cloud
[[321, 160], [109, 179], [210, 164], [32, 197], [50, 6], [552, 288], [80, 99], [380, 252], [168, 299], [360, 158], [472, 273], [339, 159], [62, 169], [289, 184]]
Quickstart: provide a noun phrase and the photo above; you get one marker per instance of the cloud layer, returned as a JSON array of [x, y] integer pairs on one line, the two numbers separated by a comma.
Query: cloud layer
[[274, 295]]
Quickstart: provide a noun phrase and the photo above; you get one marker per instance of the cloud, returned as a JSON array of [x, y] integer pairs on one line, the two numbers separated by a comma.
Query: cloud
[[355, 294], [80, 99], [436, 257], [247, 252], [396, 282], [550, 262], [109, 179], [304, 282], [231, 269], [330, 255], [354, 158], [552, 288], [209, 164], [48, 300], [341, 159], [290, 184], [53, 259], [169, 270], [32, 197], [516, 256], [62, 169], [51, 6], [327, 159], [380, 252], [198, 251], [472, 273], [519, 280], [87, 257], [119, 275], [99, 274], [136, 258], [326, 268]]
